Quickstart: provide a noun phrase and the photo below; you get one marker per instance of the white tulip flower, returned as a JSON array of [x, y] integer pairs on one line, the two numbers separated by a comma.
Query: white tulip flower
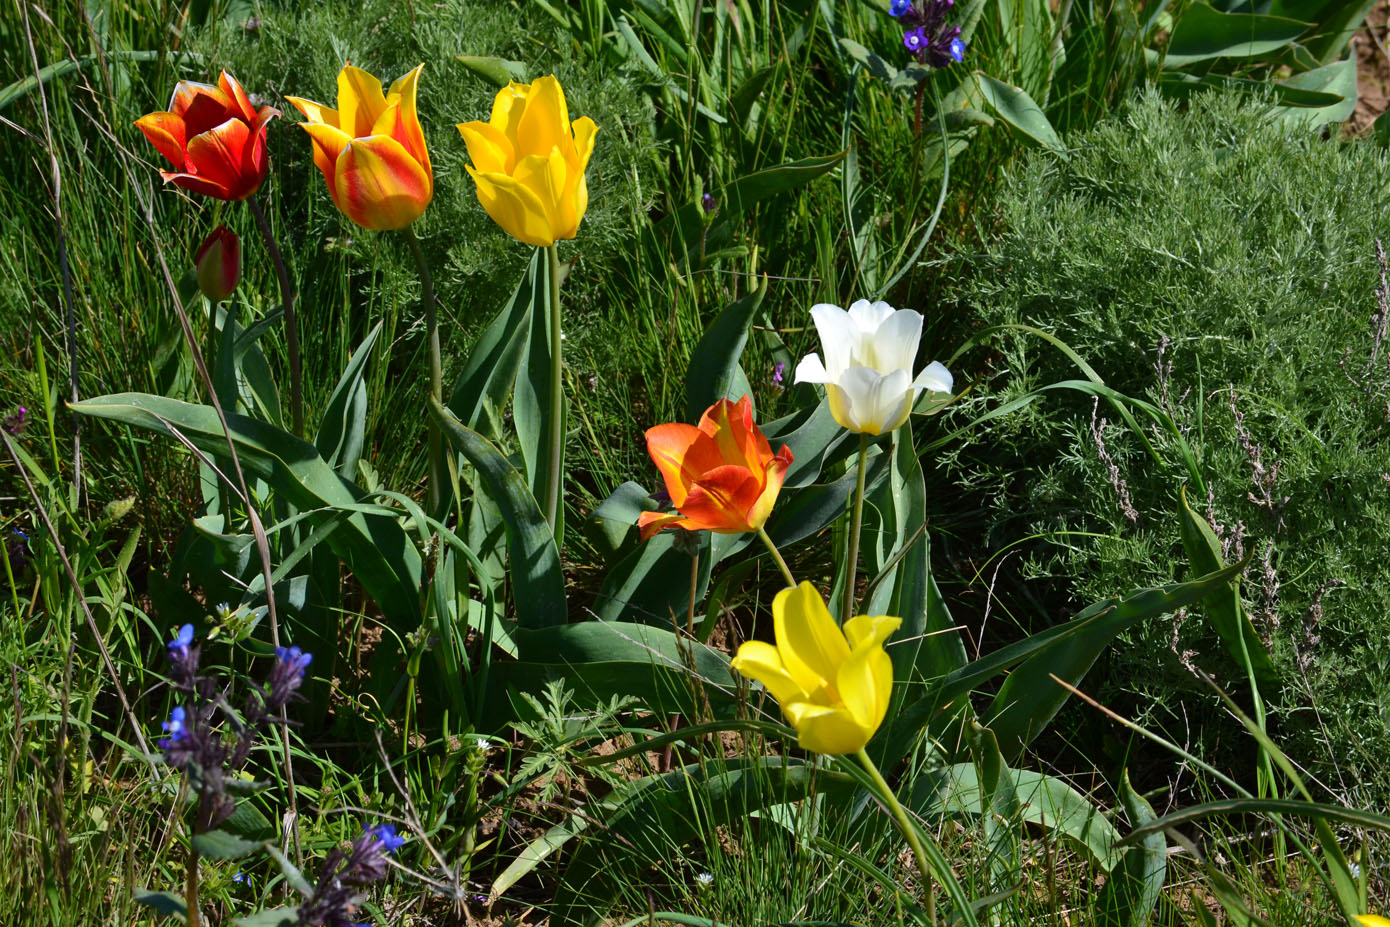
[[869, 352]]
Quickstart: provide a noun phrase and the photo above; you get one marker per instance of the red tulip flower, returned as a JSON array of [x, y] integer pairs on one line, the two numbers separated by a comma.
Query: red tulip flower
[[721, 475], [214, 137]]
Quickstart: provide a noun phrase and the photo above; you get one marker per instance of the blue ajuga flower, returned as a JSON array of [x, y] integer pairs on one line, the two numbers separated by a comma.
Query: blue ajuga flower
[[182, 640], [958, 49], [386, 833], [175, 728], [914, 40], [899, 7], [296, 661]]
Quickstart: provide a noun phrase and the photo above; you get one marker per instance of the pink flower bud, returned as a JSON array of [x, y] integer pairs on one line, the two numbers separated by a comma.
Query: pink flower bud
[[219, 263]]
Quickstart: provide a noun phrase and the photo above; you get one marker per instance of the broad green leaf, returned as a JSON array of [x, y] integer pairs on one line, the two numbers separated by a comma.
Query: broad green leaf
[[538, 586], [714, 364], [1204, 33], [376, 549], [651, 584], [1223, 606], [166, 903], [1337, 22], [811, 435], [1136, 884], [1293, 807], [871, 62], [495, 357], [531, 401], [496, 71], [1087, 633], [1002, 814], [1030, 698], [610, 525], [293, 876], [1339, 79], [813, 508], [1017, 108], [270, 917], [219, 844], [1045, 801], [339, 437]]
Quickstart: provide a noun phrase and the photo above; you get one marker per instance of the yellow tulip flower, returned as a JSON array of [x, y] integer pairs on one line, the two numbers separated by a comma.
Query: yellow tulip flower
[[1373, 920], [833, 687], [371, 149], [529, 162]]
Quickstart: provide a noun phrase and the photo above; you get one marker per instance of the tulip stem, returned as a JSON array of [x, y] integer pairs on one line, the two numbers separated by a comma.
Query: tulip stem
[[908, 831], [282, 274], [777, 556], [856, 521], [557, 399], [434, 491]]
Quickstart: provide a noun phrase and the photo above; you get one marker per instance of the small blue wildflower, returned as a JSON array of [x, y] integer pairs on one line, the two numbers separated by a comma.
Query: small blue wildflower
[[708, 203], [175, 728], [914, 39], [386, 833], [182, 640], [296, 661], [777, 370], [899, 7], [239, 877], [958, 49]]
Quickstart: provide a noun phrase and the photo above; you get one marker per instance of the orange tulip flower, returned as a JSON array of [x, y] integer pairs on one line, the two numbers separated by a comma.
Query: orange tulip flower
[[214, 137], [721, 475], [371, 149]]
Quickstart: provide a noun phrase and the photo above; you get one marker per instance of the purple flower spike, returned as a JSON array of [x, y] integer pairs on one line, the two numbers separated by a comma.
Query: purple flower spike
[[708, 203], [913, 39], [777, 369], [295, 660], [899, 7], [182, 640]]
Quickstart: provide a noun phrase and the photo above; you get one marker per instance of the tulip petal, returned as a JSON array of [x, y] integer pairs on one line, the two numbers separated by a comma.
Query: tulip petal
[[196, 183], [507, 108], [867, 316], [832, 731], [812, 647], [379, 185], [892, 345], [544, 175], [408, 131], [488, 147], [838, 336], [865, 684], [234, 92], [870, 630], [774, 474], [938, 379], [218, 154], [360, 101], [811, 370], [890, 403], [652, 523], [545, 121], [670, 449], [166, 132], [584, 132], [735, 436], [720, 499], [1373, 920], [186, 91], [206, 111], [315, 112], [760, 662], [329, 143], [514, 207]]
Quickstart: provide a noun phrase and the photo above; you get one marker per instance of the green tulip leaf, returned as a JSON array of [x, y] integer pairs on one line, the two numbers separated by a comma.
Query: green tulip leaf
[[713, 372], [497, 71], [1134, 887], [340, 434], [1203, 33]]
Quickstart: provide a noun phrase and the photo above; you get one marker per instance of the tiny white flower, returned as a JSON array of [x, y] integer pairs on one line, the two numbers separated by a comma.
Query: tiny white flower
[[704, 879], [867, 372]]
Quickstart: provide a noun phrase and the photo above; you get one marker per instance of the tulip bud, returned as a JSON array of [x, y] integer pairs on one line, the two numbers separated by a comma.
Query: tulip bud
[[219, 263]]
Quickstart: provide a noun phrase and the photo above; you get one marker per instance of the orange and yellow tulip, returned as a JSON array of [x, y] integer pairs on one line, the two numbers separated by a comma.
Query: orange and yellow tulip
[[529, 162], [371, 149], [832, 687], [721, 475], [214, 137]]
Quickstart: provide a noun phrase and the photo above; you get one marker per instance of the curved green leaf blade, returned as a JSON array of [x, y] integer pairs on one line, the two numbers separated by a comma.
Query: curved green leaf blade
[[339, 438], [1017, 108], [714, 364], [538, 586], [1204, 33], [1135, 886], [376, 549]]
